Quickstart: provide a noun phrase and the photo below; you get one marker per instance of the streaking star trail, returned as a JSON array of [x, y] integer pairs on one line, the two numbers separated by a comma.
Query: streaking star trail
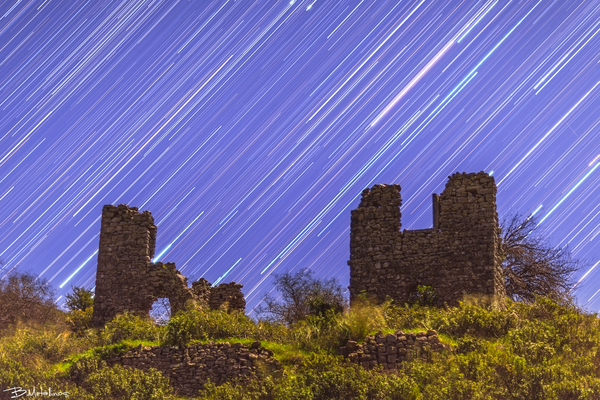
[[250, 128]]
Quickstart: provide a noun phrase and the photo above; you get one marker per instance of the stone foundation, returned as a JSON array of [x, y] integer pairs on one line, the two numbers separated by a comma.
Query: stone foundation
[[390, 350], [189, 368]]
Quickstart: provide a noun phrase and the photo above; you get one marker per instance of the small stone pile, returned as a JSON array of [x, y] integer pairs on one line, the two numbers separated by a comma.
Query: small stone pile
[[190, 367], [389, 350]]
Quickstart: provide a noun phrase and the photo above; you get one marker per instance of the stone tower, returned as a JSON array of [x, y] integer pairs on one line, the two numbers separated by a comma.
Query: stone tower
[[458, 256], [127, 280]]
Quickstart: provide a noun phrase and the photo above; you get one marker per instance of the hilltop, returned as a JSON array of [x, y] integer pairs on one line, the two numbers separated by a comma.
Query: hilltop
[[540, 350]]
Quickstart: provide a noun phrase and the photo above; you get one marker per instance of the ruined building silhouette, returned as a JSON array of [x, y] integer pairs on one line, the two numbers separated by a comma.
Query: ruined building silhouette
[[459, 256], [127, 280]]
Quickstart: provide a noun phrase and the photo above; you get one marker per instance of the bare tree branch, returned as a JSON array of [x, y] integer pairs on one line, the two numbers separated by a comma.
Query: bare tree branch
[[532, 267], [25, 297]]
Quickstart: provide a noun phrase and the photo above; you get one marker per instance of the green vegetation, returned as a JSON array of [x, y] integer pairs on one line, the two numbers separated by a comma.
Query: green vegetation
[[424, 296], [23, 298], [538, 350], [545, 349], [97, 381], [320, 376], [81, 299], [303, 296], [542, 348], [128, 326]]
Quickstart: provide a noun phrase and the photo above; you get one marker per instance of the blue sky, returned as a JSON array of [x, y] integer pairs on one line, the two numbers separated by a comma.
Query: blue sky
[[250, 128]]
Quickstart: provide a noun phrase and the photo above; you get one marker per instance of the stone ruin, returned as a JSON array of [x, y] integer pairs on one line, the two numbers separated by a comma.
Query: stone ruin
[[127, 280], [388, 351], [458, 256], [190, 367]]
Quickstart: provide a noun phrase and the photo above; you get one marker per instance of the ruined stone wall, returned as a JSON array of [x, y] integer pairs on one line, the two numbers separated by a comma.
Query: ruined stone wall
[[458, 256], [127, 240], [229, 293], [127, 280], [389, 350], [216, 296], [190, 367]]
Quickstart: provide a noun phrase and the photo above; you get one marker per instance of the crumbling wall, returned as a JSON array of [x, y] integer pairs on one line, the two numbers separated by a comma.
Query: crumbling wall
[[229, 294], [189, 368], [127, 280], [389, 350], [127, 241], [163, 280], [458, 256]]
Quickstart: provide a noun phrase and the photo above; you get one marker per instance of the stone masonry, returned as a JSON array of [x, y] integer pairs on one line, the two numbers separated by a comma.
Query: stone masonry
[[190, 367], [389, 350], [127, 280], [459, 256]]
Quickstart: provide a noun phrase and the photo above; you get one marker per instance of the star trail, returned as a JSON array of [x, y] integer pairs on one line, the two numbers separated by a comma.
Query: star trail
[[250, 128]]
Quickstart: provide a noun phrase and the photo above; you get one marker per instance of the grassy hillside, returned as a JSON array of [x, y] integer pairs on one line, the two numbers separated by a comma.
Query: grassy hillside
[[542, 350]]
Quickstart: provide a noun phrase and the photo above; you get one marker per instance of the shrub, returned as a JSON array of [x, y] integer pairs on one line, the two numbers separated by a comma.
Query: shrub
[[412, 316], [535, 341], [81, 299], [199, 323], [332, 332], [476, 320], [467, 345], [14, 373], [182, 328], [26, 298], [28, 354], [80, 370], [255, 389], [302, 295], [320, 377], [50, 345], [132, 327], [467, 319], [272, 331], [361, 320], [329, 377], [308, 337], [80, 321], [424, 296], [44, 343], [571, 325], [116, 383], [547, 349]]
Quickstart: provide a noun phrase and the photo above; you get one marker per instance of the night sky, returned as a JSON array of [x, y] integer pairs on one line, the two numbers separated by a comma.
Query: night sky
[[250, 128]]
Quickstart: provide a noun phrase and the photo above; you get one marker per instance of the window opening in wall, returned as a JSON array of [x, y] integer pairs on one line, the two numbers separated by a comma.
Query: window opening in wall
[[161, 311], [431, 211]]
